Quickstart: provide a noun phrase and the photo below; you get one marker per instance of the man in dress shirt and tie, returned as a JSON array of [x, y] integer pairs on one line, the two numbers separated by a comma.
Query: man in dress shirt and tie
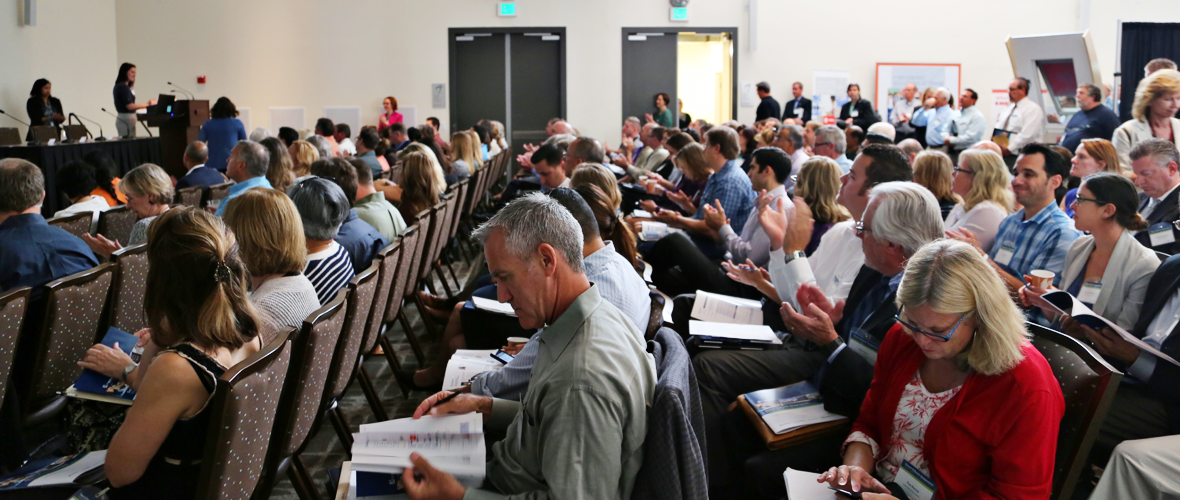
[[1154, 162], [1023, 121], [968, 128], [937, 120], [798, 109], [903, 111]]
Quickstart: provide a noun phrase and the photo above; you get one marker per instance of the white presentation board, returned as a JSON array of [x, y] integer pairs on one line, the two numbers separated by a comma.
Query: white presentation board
[[287, 117], [350, 115], [892, 77], [244, 117], [829, 91]]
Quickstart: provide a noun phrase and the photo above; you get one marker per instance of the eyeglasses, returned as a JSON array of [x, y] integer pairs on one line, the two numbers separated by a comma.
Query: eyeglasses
[[861, 229], [963, 171], [795, 179], [1176, 224], [1080, 199], [940, 338]]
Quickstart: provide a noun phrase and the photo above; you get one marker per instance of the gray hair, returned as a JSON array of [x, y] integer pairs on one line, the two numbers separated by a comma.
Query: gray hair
[[562, 141], [943, 92], [910, 146], [532, 220], [197, 151], [907, 215], [1094, 91], [832, 134], [321, 144], [589, 150], [259, 134], [1161, 151], [256, 157], [794, 134], [633, 119], [322, 206]]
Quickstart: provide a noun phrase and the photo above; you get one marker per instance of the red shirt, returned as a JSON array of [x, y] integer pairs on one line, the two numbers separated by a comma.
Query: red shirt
[[997, 438]]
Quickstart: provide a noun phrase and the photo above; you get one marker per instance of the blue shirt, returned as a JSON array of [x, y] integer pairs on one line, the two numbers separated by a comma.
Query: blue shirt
[[1097, 123], [360, 239], [732, 187], [937, 123], [617, 282], [844, 163], [202, 175], [221, 135], [240, 188], [370, 159], [33, 253], [1038, 243]]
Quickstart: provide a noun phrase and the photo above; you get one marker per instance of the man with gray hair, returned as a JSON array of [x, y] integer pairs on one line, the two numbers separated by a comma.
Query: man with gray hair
[[790, 140], [198, 174], [1095, 121], [247, 166], [584, 149], [651, 156], [937, 119], [831, 142], [324, 148], [1156, 164], [631, 144], [323, 207], [580, 429], [911, 147], [833, 345], [904, 106]]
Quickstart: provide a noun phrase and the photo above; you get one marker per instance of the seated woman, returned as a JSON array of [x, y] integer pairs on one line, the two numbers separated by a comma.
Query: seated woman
[[599, 175], [420, 188], [104, 175], [450, 176], [685, 196], [959, 395], [1092, 155], [76, 182], [322, 208], [933, 170], [272, 245], [281, 171], [612, 228], [1107, 269], [200, 325], [149, 191], [417, 147], [303, 154], [981, 179], [819, 184], [465, 152], [666, 176], [43, 109]]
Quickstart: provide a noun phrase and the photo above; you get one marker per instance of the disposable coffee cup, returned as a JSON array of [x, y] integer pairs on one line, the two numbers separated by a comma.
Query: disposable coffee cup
[[1042, 278], [517, 342]]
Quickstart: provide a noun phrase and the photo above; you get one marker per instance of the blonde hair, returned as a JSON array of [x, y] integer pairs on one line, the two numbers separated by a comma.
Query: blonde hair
[[818, 183], [951, 277], [933, 169], [461, 150], [150, 181], [767, 136], [597, 174], [303, 154], [476, 153], [420, 188], [691, 161], [1159, 84], [269, 230], [989, 180], [417, 147]]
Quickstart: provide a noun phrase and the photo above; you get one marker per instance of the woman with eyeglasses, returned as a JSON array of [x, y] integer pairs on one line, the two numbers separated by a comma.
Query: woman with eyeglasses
[[981, 180], [1107, 269], [959, 398], [1092, 155]]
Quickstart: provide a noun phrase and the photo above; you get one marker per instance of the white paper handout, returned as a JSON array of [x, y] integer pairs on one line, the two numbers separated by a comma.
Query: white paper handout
[[465, 364], [493, 306], [452, 443], [752, 333], [650, 230], [725, 309], [803, 485], [1065, 303]]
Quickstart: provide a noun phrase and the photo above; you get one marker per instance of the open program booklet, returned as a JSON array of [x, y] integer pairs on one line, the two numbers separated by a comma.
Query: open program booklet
[[1068, 304], [453, 444]]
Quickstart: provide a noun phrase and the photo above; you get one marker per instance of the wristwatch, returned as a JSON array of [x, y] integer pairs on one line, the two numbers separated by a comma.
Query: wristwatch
[[127, 371], [831, 347], [798, 254]]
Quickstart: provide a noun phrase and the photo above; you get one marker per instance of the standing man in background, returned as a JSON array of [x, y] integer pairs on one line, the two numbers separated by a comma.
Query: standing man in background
[[903, 111], [769, 107], [798, 110], [968, 128], [1094, 121], [937, 120], [1023, 122]]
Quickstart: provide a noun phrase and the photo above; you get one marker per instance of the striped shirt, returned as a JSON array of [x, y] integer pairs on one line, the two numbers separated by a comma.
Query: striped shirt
[[329, 270], [617, 283], [1038, 243]]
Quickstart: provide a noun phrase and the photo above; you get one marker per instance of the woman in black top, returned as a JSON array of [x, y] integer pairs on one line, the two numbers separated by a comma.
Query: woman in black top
[[125, 100], [857, 111], [43, 108]]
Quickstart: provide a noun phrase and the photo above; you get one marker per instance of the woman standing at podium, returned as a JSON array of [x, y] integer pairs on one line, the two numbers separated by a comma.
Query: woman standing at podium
[[125, 101], [43, 108]]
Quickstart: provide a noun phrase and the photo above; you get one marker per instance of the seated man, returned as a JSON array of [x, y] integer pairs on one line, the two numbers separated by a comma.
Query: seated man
[[323, 207], [366, 144], [76, 181], [371, 206], [247, 166], [360, 239], [678, 265], [343, 137], [198, 174], [650, 157], [617, 281], [831, 343], [1142, 466], [580, 431]]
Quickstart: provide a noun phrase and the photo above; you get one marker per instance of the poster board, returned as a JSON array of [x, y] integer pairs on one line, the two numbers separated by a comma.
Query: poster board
[[829, 92], [350, 115], [892, 77], [286, 117]]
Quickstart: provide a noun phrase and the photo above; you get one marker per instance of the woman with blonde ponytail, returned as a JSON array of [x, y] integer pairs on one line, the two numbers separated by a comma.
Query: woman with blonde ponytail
[[611, 226], [201, 323]]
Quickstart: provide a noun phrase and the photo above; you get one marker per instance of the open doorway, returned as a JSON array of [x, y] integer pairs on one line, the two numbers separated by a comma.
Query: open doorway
[[697, 66]]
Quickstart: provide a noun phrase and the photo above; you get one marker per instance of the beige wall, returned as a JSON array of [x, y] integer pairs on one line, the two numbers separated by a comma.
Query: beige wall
[[72, 45]]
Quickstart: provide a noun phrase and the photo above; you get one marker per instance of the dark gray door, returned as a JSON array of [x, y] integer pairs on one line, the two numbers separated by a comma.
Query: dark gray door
[[477, 78], [649, 67], [537, 85]]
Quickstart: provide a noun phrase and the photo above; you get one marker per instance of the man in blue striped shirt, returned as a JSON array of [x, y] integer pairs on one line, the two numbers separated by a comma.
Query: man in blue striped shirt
[[1039, 235]]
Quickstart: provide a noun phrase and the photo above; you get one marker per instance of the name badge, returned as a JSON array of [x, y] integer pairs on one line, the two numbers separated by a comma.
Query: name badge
[[798, 111], [1089, 293], [1161, 234], [854, 113], [864, 345], [1004, 254], [917, 486], [936, 123]]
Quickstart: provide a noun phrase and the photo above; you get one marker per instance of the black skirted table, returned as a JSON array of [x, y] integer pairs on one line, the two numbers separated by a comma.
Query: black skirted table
[[128, 154]]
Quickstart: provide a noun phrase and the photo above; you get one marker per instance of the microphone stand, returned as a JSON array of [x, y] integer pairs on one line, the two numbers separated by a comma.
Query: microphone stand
[[101, 137], [190, 95], [18, 120]]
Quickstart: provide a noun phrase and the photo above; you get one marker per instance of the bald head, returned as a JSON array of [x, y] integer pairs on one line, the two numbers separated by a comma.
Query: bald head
[[563, 127], [988, 146]]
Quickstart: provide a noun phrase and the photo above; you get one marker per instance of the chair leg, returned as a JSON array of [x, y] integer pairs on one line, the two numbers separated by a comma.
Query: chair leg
[[343, 431], [301, 480], [430, 284], [371, 394], [394, 364], [451, 269], [430, 328], [401, 316], [443, 278]]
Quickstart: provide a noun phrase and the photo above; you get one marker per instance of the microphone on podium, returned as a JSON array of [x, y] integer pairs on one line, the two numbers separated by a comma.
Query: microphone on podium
[[189, 94], [101, 137], [22, 122]]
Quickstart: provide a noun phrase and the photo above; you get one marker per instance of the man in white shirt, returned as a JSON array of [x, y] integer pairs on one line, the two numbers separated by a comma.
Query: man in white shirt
[[790, 140], [969, 126], [903, 111], [1024, 120], [342, 136]]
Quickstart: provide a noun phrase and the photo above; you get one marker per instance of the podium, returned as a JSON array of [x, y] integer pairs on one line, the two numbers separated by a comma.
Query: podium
[[177, 129]]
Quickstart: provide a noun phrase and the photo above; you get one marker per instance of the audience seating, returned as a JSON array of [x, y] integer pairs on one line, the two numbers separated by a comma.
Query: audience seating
[[115, 223], [443, 240], [400, 276], [13, 305], [73, 310], [656, 320], [462, 191], [386, 262], [218, 192], [243, 409], [312, 352], [1088, 383], [77, 224], [361, 289], [129, 282], [189, 196], [413, 271]]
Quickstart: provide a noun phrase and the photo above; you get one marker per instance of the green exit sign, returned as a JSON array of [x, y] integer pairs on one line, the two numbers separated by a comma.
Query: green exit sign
[[679, 13], [507, 9]]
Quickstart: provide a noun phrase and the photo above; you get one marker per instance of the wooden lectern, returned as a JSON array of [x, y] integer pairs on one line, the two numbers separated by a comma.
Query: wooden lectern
[[177, 130]]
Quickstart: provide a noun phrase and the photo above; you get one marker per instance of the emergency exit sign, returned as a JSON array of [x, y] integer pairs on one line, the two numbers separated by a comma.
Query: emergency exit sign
[[679, 14], [506, 9]]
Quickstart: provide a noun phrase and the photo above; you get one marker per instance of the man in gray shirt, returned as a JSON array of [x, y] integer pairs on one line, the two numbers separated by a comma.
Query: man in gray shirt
[[579, 430]]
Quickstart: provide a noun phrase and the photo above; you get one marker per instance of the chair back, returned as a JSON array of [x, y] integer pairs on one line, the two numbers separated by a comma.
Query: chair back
[[76, 224], [425, 220], [444, 229], [218, 192], [401, 275], [386, 261], [10, 136], [473, 184], [190, 196], [73, 310], [1162, 256], [1088, 383], [361, 289], [462, 191], [437, 214], [243, 410], [128, 284], [115, 223], [656, 319], [13, 305]]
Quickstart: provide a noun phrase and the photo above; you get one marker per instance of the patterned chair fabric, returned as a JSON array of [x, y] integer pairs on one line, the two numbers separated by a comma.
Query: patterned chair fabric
[[437, 222], [190, 196], [361, 288], [1088, 383], [77, 224], [73, 309], [462, 192], [401, 273], [425, 223], [116, 223], [13, 304], [128, 287], [243, 412], [218, 192], [389, 259], [656, 319]]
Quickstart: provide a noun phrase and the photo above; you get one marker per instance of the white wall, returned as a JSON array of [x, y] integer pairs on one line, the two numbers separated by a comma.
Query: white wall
[[72, 45]]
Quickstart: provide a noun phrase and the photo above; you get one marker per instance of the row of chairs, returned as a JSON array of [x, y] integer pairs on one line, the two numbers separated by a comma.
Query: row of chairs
[[115, 223]]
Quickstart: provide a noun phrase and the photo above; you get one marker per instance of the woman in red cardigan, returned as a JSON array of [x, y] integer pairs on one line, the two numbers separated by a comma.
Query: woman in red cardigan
[[961, 404]]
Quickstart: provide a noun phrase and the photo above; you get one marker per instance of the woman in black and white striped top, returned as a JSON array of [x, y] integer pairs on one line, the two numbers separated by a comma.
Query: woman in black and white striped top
[[323, 206]]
